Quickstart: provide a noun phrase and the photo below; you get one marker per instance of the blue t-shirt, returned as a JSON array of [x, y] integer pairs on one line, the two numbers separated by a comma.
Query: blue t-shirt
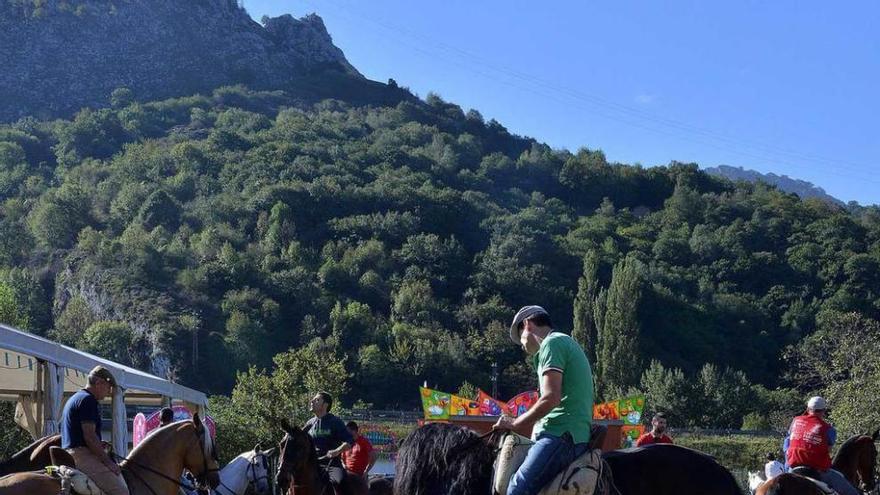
[[82, 406], [328, 432]]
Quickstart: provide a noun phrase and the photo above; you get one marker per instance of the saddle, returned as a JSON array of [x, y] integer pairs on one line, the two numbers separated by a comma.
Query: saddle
[[73, 481], [814, 476], [586, 475]]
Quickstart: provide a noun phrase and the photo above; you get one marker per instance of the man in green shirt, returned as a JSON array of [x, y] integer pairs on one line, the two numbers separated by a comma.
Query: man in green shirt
[[561, 419]]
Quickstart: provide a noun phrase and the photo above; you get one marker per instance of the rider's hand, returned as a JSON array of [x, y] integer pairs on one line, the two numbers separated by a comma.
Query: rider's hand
[[113, 467], [505, 422]]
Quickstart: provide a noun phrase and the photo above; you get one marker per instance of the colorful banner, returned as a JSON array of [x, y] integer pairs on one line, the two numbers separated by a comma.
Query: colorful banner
[[521, 403], [143, 425], [435, 403], [630, 434], [490, 406], [438, 406], [606, 411], [459, 406], [631, 408]]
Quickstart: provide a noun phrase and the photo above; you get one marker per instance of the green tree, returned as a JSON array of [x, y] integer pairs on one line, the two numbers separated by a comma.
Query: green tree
[[10, 314], [111, 340], [584, 329], [668, 391], [73, 321], [841, 360], [248, 418], [619, 354]]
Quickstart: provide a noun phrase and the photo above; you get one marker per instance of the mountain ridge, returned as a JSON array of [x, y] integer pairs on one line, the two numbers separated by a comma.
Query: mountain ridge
[[63, 56], [802, 188]]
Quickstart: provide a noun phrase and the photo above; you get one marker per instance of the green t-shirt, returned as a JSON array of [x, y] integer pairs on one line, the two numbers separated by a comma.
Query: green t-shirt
[[574, 413]]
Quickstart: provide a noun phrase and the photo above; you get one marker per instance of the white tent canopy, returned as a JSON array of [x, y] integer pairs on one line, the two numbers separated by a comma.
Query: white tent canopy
[[38, 373]]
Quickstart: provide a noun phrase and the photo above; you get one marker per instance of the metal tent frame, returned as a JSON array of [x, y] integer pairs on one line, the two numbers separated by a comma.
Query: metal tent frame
[[38, 373]]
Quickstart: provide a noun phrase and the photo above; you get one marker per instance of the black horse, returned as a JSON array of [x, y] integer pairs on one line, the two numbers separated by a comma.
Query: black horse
[[443, 459]]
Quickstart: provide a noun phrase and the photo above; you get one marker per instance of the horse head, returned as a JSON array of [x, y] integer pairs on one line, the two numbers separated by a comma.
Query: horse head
[[201, 455], [297, 457], [857, 460], [258, 470]]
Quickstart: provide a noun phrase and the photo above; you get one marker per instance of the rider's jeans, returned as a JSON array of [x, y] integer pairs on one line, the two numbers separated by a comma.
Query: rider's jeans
[[839, 483], [546, 458]]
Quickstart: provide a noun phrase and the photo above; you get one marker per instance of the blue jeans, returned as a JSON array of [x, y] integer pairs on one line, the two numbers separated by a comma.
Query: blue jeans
[[546, 458]]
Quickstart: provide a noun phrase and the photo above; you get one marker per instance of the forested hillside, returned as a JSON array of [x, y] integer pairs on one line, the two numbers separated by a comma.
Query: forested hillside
[[200, 236]]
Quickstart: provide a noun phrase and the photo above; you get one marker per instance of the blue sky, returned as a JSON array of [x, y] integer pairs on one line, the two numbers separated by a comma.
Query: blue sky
[[776, 86]]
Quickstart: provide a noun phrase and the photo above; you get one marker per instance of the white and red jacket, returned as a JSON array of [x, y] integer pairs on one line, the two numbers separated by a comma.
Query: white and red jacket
[[809, 443]]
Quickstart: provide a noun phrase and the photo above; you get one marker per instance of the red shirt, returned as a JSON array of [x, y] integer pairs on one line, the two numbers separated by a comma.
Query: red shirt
[[650, 439], [357, 458], [809, 444]]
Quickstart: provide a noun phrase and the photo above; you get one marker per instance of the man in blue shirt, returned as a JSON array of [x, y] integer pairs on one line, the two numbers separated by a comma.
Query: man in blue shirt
[[81, 433], [330, 436]]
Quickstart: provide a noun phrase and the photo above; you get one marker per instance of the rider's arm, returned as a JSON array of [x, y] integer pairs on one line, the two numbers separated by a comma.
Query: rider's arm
[[832, 436], [342, 433], [551, 396], [345, 447], [95, 447]]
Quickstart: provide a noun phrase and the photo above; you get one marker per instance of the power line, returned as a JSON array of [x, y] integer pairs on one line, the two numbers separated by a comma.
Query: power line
[[605, 108]]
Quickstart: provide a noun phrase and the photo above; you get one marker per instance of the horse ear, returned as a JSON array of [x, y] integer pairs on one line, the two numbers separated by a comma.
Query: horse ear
[[270, 452], [875, 435], [258, 448], [286, 426]]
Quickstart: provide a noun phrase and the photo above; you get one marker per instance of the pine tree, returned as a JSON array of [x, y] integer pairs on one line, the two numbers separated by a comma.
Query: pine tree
[[619, 359], [584, 330]]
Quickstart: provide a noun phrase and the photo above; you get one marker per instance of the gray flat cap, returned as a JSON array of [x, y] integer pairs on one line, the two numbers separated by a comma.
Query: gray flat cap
[[524, 313]]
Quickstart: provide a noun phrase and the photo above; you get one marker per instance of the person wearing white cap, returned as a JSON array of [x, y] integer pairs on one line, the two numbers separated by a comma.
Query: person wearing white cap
[[808, 445], [561, 418]]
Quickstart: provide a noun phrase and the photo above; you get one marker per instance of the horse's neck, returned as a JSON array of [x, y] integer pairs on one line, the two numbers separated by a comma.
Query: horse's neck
[[161, 455], [311, 482], [848, 466], [235, 475]]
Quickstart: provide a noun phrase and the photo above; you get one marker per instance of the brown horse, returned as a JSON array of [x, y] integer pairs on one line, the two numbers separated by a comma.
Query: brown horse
[[856, 460], [34, 456], [299, 472], [153, 468]]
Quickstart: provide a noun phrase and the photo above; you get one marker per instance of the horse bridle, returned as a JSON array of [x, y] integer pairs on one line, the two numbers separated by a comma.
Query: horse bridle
[[285, 464], [252, 473]]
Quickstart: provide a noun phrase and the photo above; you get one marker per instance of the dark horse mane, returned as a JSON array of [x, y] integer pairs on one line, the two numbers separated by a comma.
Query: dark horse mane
[[443, 459], [21, 460], [849, 445]]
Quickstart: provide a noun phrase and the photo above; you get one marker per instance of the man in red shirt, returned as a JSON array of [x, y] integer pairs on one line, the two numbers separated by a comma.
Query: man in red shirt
[[361, 457], [809, 442], [657, 433]]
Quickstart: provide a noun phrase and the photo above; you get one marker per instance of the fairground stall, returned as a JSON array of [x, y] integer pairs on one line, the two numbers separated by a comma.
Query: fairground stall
[[39, 375]]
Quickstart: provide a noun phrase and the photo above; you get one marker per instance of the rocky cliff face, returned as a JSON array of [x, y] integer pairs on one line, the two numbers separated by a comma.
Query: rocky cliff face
[[61, 55]]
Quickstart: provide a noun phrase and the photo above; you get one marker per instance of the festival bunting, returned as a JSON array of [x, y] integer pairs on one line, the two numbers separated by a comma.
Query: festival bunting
[[438, 406]]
